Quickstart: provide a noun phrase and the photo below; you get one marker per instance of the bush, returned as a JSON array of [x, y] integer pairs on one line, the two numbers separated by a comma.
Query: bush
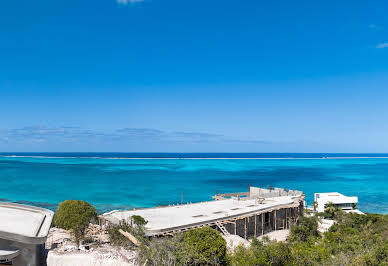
[[333, 210], [306, 228], [74, 215], [138, 220], [136, 228], [160, 251], [323, 215], [117, 239], [202, 246]]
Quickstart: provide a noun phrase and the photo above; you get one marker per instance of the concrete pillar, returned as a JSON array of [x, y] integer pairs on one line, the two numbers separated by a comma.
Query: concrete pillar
[[275, 220], [245, 228], [262, 224], [255, 224]]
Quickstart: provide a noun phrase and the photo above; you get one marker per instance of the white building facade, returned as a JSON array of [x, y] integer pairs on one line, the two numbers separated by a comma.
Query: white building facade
[[343, 202]]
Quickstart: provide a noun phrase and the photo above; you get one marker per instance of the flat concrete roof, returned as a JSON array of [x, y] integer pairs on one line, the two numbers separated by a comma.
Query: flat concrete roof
[[164, 219], [23, 223], [335, 197]]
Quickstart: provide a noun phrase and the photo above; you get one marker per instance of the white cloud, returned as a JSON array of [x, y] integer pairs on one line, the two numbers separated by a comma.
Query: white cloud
[[126, 2], [40, 134], [382, 45]]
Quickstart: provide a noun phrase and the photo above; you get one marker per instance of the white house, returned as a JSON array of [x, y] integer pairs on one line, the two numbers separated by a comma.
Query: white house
[[341, 201]]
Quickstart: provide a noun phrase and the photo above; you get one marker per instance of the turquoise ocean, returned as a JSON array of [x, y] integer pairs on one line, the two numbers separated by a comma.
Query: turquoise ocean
[[130, 180]]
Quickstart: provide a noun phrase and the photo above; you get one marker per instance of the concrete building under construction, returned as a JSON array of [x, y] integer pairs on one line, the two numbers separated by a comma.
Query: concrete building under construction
[[246, 214]]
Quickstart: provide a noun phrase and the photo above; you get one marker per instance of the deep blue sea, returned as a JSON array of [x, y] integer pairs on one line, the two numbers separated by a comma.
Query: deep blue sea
[[126, 180]]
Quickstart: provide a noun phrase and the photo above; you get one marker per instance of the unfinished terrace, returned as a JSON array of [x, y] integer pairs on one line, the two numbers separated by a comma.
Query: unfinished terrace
[[246, 214]]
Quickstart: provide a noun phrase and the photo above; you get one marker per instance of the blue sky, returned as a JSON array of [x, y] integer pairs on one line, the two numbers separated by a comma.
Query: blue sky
[[194, 76]]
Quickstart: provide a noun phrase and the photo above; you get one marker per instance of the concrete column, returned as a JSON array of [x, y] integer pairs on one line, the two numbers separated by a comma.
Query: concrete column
[[262, 224], [255, 224], [275, 220], [245, 228]]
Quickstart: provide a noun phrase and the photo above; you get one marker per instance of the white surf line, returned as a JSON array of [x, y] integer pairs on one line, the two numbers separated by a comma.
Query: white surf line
[[197, 158]]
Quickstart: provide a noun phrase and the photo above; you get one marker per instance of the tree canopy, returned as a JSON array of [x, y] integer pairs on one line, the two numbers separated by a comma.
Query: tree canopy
[[74, 215]]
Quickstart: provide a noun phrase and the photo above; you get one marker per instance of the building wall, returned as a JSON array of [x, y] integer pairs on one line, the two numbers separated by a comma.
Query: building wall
[[30, 255]]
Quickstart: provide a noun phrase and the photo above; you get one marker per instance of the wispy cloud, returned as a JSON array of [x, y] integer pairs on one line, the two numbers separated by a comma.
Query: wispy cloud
[[44, 134], [126, 2], [382, 45], [73, 135]]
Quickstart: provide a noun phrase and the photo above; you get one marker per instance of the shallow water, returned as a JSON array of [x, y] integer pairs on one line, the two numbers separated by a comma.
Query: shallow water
[[125, 183]]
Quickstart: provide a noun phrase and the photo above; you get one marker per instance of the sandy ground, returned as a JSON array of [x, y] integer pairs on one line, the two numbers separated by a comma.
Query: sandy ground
[[62, 251], [103, 255], [234, 241], [324, 225], [280, 235]]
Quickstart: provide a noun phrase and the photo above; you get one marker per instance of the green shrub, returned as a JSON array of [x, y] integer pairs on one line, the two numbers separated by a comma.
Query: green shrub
[[136, 228], [306, 228], [202, 246], [381, 255], [160, 251], [308, 254], [117, 239], [138, 220], [74, 215], [333, 210], [323, 215], [262, 253]]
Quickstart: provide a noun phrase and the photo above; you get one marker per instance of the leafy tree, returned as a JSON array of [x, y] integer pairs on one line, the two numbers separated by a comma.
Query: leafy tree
[[202, 246], [323, 215], [308, 254], [160, 251], [246, 256], [332, 210], [74, 215], [138, 220], [138, 227], [306, 228], [278, 253], [381, 254], [353, 240]]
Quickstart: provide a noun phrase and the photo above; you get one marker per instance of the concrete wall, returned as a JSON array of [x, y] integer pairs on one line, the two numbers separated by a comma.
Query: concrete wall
[[30, 255], [255, 192]]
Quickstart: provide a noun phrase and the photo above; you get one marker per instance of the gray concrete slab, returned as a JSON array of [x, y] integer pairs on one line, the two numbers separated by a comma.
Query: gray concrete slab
[[23, 223], [175, 217]]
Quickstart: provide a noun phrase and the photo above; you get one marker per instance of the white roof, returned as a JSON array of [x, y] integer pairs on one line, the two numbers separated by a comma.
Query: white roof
[[180, 216], [24, 223], [335, 197]]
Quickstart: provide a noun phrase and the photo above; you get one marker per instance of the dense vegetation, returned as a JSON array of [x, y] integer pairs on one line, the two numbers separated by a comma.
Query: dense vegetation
[[353, 240], [202, 246], [74, 215], [135, 227]]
